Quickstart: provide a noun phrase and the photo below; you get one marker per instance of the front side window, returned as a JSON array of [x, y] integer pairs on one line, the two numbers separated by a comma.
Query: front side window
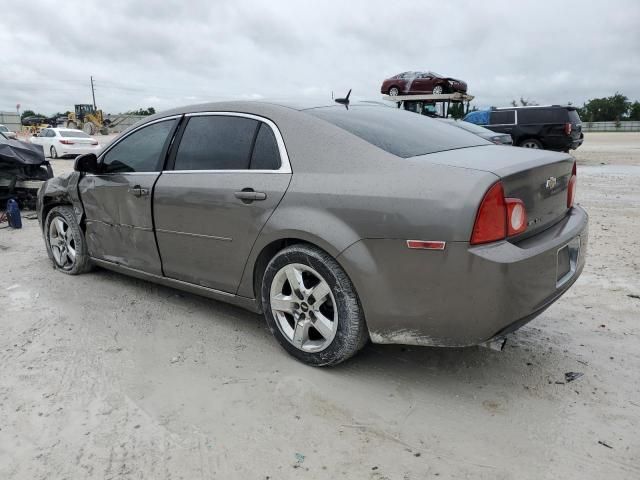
[[141, 151], [216, 142]]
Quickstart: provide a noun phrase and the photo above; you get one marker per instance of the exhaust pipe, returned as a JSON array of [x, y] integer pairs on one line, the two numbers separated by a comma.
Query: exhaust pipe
[[496, 343]]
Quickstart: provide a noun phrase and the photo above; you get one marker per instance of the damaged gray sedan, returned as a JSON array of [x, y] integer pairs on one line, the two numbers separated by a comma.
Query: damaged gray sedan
[[342, 225]]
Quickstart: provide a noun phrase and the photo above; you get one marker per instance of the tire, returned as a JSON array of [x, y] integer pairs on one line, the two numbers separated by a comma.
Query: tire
[[295, 316], [65, 242], [531, 143], [394, 91], [89, 128], [53, 152], [438, 90], [72, 125]]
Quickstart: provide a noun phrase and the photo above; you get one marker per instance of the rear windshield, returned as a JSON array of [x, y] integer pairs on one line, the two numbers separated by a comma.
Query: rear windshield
[[397, 131], [574, 117], [73, 134]]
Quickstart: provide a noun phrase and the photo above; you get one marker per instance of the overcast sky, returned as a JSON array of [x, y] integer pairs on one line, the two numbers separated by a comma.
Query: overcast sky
[[168, 53]]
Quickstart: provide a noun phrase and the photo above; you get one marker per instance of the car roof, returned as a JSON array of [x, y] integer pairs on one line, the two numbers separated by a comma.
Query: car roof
[[525, 107], [257, 107]]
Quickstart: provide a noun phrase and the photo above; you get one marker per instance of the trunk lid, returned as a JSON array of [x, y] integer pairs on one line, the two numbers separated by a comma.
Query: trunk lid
[[539, 178]]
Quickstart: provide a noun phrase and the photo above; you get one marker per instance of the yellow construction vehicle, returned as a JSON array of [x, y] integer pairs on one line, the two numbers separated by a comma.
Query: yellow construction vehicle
[[87, 119]]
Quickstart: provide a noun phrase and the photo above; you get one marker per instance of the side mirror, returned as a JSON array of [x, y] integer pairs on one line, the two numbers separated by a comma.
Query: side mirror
[[87, 163]]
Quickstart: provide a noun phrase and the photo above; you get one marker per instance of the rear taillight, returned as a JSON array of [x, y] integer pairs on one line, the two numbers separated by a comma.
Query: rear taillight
[[498, 217], [571, 189], [567, 128], [66, 142]]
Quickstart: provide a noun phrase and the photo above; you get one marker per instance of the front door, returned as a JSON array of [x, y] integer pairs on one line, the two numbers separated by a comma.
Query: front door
[[117, 202], [230, 172]]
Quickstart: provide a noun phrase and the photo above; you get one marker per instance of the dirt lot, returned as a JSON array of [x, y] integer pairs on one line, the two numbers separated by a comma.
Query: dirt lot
[[103, 376]]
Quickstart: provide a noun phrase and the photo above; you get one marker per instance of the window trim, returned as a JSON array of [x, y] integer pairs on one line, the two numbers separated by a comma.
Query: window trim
[[285, 164]]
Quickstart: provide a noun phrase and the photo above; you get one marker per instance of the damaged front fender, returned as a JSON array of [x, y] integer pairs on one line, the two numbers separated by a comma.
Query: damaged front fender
[[61, 190]]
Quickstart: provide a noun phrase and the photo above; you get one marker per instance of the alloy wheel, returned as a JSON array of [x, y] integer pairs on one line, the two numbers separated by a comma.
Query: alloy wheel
[[54, 153], [62, 243], [304, 307], [437, 90], [530, 145], [394, 92]]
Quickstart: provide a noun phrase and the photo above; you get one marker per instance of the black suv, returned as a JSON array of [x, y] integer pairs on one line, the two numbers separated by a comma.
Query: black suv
[[551, 127]]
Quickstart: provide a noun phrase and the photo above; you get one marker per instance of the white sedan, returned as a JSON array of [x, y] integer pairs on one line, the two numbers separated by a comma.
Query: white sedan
[[60, 142], [8, 133]]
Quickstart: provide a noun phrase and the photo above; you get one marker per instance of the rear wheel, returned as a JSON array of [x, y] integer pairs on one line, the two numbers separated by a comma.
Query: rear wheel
[[530, 143], [394, 91], [311, 306], [65, 241]]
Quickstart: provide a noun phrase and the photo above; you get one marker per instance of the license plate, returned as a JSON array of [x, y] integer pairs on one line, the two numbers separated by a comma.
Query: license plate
[[567, 261]]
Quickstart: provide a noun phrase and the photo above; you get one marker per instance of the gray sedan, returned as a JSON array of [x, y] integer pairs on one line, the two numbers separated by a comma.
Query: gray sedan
[[341, 225]]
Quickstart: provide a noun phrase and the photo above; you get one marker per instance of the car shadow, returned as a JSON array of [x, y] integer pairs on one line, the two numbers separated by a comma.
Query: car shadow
[[529, 356]]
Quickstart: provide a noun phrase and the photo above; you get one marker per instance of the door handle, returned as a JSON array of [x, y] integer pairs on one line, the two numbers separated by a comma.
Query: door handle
[[248, 195], [138, 191]]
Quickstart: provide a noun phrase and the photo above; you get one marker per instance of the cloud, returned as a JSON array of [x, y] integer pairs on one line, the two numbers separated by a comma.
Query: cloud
[[164, 54]]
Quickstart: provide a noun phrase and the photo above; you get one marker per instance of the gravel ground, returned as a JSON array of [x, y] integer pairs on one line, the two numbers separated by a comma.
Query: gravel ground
[[104, 376]]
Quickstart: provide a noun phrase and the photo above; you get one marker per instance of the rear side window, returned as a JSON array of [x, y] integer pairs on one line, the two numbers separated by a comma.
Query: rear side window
[[541, 115], [397, 131], [139, 152], [266, 155], [216, 142], [503, 117]]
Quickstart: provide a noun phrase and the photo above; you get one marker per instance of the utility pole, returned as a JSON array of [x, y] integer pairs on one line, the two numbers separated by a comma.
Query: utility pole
[[93, 93]]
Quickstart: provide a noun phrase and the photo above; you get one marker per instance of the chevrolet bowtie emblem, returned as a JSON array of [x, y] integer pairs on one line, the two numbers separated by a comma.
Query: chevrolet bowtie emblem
[[551, 183]]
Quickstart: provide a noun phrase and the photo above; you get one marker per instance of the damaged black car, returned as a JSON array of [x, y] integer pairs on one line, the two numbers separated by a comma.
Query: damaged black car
[[23, 170]]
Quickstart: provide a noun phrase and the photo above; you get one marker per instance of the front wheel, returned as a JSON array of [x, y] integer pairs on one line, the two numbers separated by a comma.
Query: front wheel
[[438, 90], [311, 306], [54, 152], [65, 241]]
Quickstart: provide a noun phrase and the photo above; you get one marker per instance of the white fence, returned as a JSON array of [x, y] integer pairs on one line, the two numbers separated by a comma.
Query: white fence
[[11, 120], [625, 126]]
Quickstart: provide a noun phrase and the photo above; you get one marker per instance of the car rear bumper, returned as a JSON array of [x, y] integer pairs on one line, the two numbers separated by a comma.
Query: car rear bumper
[[463, 295], [64, 150]]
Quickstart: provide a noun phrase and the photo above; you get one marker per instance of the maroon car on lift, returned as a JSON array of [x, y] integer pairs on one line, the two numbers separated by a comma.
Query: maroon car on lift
[[415, 83]]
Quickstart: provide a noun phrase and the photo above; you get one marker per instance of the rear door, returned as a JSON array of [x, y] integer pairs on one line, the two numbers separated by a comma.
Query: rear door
[[117, 202], [502, 121], [230, 171]]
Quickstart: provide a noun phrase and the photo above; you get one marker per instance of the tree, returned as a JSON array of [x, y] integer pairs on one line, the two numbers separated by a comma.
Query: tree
[[456, 110], [141, 111], [606, 109], [523, 102], [27, 113], [634, 111]]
